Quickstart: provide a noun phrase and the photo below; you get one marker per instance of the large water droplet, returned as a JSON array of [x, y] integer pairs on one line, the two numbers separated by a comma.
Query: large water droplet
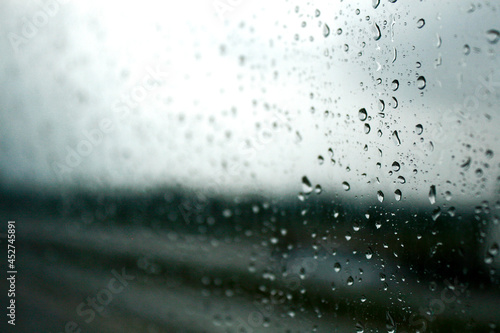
[[337, 267], [396, 166], [375, 3]]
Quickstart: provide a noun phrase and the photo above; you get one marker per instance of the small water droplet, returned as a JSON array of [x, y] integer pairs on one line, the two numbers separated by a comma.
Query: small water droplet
[[321, 160], [420, 23], [493, 36], [346, 186], [318, 189], [381, 105], [369, 253], [432, 194], [362, 114], [421, 83], [350, 281], [339, 31], [419, 129], [367, 129], [375, 3], [337, 267], [395, 85], [306, 185], [395, 138], [466, 49], [401, 180], [317, 13], [326, 30], [380, 196], [398, 195], [396, 166], [376, 31]]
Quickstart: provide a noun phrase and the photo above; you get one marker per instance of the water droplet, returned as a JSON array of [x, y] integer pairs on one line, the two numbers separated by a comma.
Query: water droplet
[[395, 85], [346, 186], [447, 195], [321, 160], [362, 114], [367, 128], [306, 185], [380, 196], [439, 41], [419, 129], [493, 36], [396, 166], [401, 180], [376, 31], [432, 194], [317, 13], [381, 105], [337, 267], [326, 30], [398, 195], [369, 253], [394, 102], [348, 236], [421, 83], [466, 49], [395, 138], [493, 250], [420, 23], [489, 153], [350, 281], [339, 31], [375, 3], [318, 189], [436, 213]]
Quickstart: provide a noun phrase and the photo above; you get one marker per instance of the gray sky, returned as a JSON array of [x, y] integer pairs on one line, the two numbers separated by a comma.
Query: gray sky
[[248, 102]]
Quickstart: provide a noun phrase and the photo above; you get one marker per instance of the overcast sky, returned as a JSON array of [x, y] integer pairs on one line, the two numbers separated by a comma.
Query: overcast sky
[[143, 94]]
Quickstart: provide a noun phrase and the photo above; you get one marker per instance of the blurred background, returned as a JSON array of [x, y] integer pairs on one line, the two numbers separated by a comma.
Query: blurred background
[[246, 166]]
